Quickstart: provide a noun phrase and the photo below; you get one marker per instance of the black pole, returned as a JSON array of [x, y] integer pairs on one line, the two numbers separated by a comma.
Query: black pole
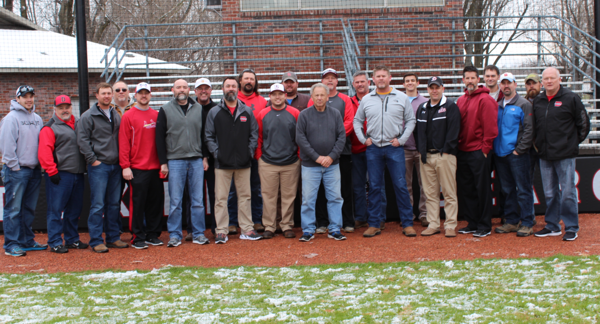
[[597, 47], [82, 63]]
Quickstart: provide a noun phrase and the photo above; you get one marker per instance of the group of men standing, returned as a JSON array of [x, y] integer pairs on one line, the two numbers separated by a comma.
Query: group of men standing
[[254, 155]]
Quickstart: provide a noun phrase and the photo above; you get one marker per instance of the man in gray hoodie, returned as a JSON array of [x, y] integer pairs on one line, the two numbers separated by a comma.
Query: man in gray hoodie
[[21, 173]]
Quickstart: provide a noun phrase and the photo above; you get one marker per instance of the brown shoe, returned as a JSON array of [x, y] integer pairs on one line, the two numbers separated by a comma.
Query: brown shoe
[[189, 237], [382, 225], [259, 228], [449, 232], [424, 221], [372, 231], [100, 248], [359, 224], [289, 234], [430, 231], [232, 230], [117, 244], [268, 235], [409, 231]]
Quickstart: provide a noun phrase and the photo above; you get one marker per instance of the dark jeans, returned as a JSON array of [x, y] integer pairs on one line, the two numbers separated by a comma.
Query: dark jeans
[[500, 196], [534, 161], [347, 210], [65, 198], [515, 180], [105, 185], [257, 203], [377, 159], [21, 191], [474, 189], [359, 182], [147, 204]]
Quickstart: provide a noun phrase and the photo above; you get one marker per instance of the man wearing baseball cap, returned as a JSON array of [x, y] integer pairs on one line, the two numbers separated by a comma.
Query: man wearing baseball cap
[[293, 98], [59, 155], [511, 146], [21, 174], [344, 105], [139, 160], [278, 162], [533, 86], [436, 136]]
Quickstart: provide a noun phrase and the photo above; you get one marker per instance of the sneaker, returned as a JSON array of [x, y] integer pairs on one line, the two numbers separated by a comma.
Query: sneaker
[[430, 231], [570, 236], [16, 252], [546, 232], [189, 237], [467, 230], [359, 224], [118, 244], [321, 230], [154, 241], [140, 245], [251, 235], [307, 237], [77, 245], [36, 247], [232, 230], [371, 231], [259, 227], [524, 231], [201, 239], [336, 236], [348, 229], [173, 242], [100, 248], [59, 249], [481, 233], [268, 235], [506, 228], [221, 238], [289, 234]]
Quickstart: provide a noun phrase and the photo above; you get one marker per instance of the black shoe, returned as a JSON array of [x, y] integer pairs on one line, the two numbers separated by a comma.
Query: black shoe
[[570, 236], [154, 241], [140, 245], [77, 245], [480, 233], [307, 237], [59, 249], [467, 230], [546, 232], [337, 236]]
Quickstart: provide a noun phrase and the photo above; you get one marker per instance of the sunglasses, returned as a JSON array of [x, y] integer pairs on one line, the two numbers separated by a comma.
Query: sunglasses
[[121, 90], [23, 90]]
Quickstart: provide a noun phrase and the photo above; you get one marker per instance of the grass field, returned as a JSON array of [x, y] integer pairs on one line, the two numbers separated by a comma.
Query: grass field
[[559, 289]]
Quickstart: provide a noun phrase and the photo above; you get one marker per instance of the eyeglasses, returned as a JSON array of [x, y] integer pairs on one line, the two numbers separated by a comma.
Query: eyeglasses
[[121, 90]]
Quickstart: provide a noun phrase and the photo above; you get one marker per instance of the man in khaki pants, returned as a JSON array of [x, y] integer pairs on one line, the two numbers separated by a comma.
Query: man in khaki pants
[[278, 162], [232, 136], [436, 134]]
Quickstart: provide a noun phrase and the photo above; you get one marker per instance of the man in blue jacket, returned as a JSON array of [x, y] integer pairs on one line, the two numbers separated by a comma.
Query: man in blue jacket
[[511, 146]]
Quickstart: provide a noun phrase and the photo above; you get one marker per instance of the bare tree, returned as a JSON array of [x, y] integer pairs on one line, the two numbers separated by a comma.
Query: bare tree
[[8, 5]]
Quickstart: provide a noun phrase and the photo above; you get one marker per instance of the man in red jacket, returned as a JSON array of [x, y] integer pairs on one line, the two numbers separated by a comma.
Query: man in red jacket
[[478, 128], [139, 159]]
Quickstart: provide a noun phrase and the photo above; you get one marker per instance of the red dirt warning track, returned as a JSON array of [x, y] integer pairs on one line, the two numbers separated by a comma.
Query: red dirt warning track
[[390, 246]]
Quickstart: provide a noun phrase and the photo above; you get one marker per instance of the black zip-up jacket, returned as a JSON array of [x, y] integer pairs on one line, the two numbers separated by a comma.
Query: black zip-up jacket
[[205, 109], [439, 126], [98, 137], [232, 139], [560, 125]]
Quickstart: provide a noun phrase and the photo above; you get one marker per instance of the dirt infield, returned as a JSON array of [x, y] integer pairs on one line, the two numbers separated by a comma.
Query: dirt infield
[[390, 246]]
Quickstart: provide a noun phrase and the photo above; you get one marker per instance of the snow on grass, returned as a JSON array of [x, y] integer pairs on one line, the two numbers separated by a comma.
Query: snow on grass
[[554, 290]]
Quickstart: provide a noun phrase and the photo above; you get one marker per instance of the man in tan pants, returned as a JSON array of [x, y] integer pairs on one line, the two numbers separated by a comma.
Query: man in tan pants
[[436, 134], [232, 136]]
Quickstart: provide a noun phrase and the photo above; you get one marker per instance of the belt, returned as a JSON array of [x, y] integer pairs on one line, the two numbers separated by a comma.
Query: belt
[[433, 151]]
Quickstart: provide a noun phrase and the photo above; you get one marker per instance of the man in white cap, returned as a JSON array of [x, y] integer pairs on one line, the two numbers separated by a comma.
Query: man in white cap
[[278, 162]]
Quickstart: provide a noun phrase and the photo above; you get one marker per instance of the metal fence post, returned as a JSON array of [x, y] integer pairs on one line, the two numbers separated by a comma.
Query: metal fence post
[[147, 60], [234, 49], [539, 44], [453, 50], [366, 45], [321, 44]]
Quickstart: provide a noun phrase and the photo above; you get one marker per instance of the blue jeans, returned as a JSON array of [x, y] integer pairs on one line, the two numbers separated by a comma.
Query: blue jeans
[[105, 189], [257, 203], [67, 197], [561, 202], [21, 191], [377, 159], [191, 170], [515, 180], [332, 181], [359, 180]]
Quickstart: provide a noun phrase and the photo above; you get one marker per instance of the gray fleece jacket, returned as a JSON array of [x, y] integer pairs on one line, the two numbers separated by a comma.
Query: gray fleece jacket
[[19, 133], [385, 118]]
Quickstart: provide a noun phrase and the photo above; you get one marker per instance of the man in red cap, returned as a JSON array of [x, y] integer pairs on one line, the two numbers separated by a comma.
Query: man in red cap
[[59, 155]]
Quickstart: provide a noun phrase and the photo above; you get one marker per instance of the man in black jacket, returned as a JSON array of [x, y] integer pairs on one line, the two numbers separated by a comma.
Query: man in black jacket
[[232, 136], [436, 135], [561, 123]]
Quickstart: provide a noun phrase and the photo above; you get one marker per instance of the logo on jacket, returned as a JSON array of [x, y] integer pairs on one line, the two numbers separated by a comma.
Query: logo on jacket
[[441, 109], [243, 119], [151, 124], [558, 104]]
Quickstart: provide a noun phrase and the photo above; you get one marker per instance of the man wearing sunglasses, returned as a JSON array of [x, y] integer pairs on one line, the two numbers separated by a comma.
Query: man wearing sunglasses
[[21, 173], [122, 100]]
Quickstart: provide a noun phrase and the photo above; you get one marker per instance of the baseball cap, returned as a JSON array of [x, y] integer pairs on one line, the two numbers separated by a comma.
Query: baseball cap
[[289, 75], [507, 76], [202, 81], [61, 100], [534, 77], [142, 86], [436, 81], [329, 70], [22, 90], [277, 87]]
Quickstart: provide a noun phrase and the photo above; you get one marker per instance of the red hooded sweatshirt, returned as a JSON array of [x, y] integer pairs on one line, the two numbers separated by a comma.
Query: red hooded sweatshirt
[[357, 146], [254, 101], [478, 121]]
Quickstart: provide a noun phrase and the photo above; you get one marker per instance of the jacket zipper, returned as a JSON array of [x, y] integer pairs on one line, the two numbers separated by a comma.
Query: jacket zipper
[[383, 109]]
